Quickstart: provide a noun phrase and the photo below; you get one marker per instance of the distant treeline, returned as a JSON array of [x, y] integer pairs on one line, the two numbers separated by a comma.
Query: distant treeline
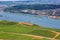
[[33, 7]]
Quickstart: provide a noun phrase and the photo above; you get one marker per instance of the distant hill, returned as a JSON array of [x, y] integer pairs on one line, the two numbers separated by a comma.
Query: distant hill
[[33, 7]]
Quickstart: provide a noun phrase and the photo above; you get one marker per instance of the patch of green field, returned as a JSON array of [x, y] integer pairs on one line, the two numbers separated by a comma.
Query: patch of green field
[[43, 33], [18, 28], [54, 29]]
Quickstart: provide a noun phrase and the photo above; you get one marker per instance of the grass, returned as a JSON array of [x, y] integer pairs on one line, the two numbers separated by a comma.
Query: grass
[[58, 37], [45, 39], [41, 39], [17, 28], [14, 37], [43, 33], [54, 29], [8, 26]]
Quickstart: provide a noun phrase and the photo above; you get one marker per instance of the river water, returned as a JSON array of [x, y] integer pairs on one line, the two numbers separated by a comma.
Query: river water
[[35, 19]]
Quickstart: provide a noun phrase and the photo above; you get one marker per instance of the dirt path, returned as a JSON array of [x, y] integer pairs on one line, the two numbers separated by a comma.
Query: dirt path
[[34, 36], [1, 39], [57, 33], [55, 36], [26, 23]]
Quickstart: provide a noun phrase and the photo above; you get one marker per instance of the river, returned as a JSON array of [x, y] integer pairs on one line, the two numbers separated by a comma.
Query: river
[[35, 19]]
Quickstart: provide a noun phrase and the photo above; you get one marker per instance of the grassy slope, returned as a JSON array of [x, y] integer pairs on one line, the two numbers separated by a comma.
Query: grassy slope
[[13, 37], [25, 29]]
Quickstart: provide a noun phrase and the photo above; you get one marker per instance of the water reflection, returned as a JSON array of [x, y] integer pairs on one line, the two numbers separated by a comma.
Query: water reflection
[[1, 15]]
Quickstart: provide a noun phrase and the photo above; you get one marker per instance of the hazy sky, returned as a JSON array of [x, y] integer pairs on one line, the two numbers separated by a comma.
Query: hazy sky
[[8, 0], [15, 0], [29, 0]]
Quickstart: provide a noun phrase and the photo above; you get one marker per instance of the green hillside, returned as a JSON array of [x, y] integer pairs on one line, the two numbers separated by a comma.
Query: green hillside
[[19, 31]]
